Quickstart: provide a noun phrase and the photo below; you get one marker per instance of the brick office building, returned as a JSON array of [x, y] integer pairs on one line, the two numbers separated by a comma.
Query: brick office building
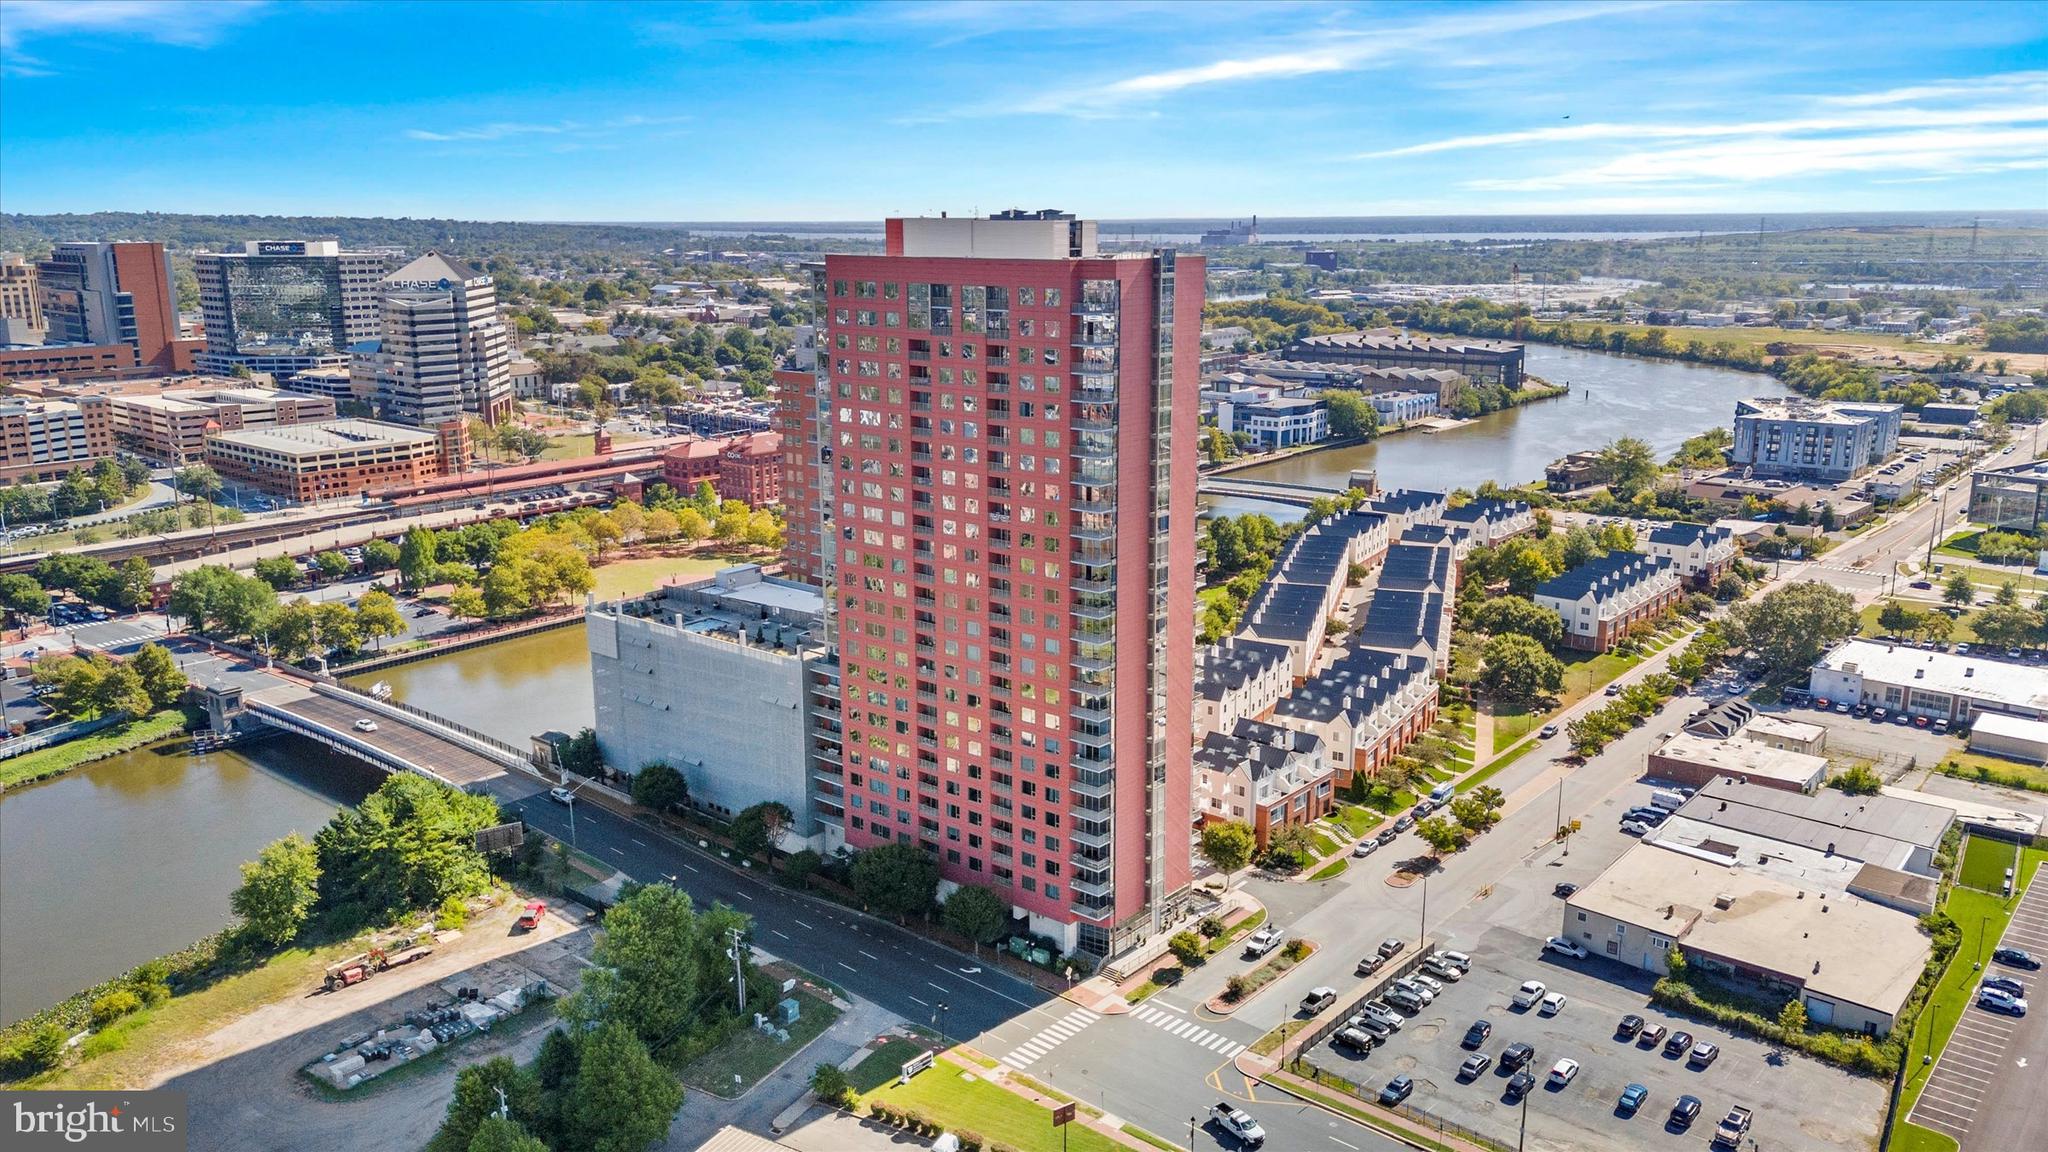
[[1009, 550], [746, 468], [340, 458]]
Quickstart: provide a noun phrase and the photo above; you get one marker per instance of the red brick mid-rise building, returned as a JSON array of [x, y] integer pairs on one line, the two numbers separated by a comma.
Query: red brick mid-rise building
[[746, 468], [1009, 551]]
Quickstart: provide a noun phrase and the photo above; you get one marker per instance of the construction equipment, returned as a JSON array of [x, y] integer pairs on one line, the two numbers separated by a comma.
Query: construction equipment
[[363, 965]]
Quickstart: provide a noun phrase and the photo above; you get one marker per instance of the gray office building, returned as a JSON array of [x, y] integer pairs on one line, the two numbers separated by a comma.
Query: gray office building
[[730, 681], [1813, 439]]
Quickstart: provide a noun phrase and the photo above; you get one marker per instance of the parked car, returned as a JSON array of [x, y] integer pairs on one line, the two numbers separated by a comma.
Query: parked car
[[1397, 1090], [1632, 1098], [561, 796], [1552, 1004], [1564, 891], [1564, 947], [1421, 992], [1517, 1055], [1703, 1054], [1434, 986], [1477, 1034], [1651, 1035], [1443, 970], [1356, 1039], [2005, 984], [1684, 1113], [1377, 1011], [1474, 1065], [1562, 1072], [1318, 999], [1371, 1027], [1391, 947], [1679, 1043], [1458, 960], [2017, 957], [1406, 1000], [1519, 1085], [366, 725], [1387, 836], [1264, 940], [1529, 993], [1369, 965], [1629, 1027], [1614, 690], [1365, 847], [1238, 1123], [1635, 827], [1404, 822], [1996, 1001]]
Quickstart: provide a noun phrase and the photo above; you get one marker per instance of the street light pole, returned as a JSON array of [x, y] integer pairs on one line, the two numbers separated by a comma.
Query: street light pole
[[1523, 1136], [1424, 934]]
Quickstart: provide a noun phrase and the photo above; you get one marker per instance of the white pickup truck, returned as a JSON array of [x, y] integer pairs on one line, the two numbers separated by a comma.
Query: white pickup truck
[[1239, 1123], [1728, 1133], [1264, 940]]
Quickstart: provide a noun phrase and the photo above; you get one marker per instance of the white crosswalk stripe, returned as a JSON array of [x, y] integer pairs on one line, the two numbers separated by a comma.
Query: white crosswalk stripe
[[1185, 1029], [1051, 1036]]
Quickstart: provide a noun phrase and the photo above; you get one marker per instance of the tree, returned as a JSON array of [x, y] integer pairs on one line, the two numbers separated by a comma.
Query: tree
[[1792, 1017], [757, 827], [279, 889], [1228, 846], [1517, 671], [418, 552], [1440, 834], [897, 878], [1857, 780], [22, 598], [377, 616], [162, 679], [1627, 465], [976, 913], [1792, 626], [1472, 814], [623, 1100], [277, 571], [1351, 415], [501, 1134], [380, 556], [1896, 617], [2006, 625], [659, 786], [1187, 948], [2008, 594], [830, 1085], [410, 844], [1501, 615], [333, 565], [1289, 846], [121, 691], [197, 481], [1958, 590], [1675, 963], [646, 976], [466, 603]]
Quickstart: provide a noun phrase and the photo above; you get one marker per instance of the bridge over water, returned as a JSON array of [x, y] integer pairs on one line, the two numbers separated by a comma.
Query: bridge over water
[[1296, 494]]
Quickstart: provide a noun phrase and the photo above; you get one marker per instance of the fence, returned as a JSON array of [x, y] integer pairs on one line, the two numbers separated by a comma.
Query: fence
[[56, 734], [433, 721], [1377, 983]]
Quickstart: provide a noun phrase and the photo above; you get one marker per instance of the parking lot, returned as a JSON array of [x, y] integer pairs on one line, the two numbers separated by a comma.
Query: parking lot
[[1799, 1103], [1983, 1090]]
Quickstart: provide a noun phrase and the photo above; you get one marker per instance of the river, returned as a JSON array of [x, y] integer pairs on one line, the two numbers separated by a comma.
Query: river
[[135, 856], [1663, 402]]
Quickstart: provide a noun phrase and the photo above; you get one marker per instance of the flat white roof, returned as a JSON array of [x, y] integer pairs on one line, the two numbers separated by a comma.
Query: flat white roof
[[1993, 815], [1998, 682], [1789, 729], [328, 436], [1842, 947], [1739, 757], [2011, 727]]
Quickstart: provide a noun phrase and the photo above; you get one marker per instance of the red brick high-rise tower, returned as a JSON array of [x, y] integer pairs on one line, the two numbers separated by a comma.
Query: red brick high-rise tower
[[1008, 444]]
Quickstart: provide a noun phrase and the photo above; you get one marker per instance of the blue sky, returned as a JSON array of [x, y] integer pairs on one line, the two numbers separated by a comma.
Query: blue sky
[[650, 111]]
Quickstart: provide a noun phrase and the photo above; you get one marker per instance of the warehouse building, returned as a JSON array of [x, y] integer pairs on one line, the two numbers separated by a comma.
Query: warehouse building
[[1938, 685]]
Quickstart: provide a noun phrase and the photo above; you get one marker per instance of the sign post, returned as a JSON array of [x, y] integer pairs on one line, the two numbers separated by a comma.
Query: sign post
[[1063, 1115]]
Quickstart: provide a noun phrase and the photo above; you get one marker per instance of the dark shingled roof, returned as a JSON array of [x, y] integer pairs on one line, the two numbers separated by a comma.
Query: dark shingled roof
[[1262, 748], [1283, 611], [1356, 685], [1234, 663], [1401, 619], [1686, 535], [1476, 511], [1612, 573], [1411, 567]]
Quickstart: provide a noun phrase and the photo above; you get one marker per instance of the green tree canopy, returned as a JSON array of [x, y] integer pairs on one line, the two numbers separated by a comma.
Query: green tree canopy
[[1518, 615], [278, 891], [1791, 627], [976, 913], [1228, 845], [1516, 670], [410, 844], [623, 1101], [646, 974], [897, 878], [659, 786]]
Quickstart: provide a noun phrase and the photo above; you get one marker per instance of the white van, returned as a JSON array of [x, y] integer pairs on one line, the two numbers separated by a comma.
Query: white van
[[1667, 800], [1443, 792]]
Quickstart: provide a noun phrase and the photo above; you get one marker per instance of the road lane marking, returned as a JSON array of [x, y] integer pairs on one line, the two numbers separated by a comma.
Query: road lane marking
[[806, 927], [1353, 1147], [686, 866], [848, 967], [941, 987], [778, 934], [919, 1001], [613, 849], [639, 841], [750, 896], [869, 955]]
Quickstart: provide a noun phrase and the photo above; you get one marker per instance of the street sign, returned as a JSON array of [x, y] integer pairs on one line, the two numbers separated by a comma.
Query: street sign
[[916, 1064], [1063, 1114]]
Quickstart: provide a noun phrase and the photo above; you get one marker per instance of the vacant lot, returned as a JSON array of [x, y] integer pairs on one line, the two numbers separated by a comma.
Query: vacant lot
[[1985, 863]]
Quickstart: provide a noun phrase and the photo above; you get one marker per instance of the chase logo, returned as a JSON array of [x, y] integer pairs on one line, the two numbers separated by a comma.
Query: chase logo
[[281, 248], [129, 1121]]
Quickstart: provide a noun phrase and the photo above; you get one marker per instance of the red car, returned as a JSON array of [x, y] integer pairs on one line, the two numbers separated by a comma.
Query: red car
[[529, 919]]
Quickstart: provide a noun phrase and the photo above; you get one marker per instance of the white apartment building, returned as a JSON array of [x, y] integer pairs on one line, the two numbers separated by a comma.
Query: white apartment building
[[1814, 439], [1238, 679], [1700, 552], [1263, 775], [1601, 599], [1492, 521], [1282, 422], [1396, 408]]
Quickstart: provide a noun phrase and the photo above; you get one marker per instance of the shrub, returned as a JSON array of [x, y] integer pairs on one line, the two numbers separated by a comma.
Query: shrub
[[36, 1051], [1295, 950], [969, 1141], [453, 914], [151, 982], [830, 1085], [1237, 988], [1211, 926], [113, 1006], [1187, 948]]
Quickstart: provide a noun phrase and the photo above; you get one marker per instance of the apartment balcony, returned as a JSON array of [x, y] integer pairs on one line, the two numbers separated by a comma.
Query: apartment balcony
[[1099, 612], [1101, 889], [1098, 587], [1095, 533], [1095, 785], [1082, 835], [1096, 388], [1094, 663]]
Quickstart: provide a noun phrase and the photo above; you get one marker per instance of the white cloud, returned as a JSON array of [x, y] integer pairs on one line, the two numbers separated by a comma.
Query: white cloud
[[2004, 84], [1770, 158], [179, 22], [506, 130], [488, 132]]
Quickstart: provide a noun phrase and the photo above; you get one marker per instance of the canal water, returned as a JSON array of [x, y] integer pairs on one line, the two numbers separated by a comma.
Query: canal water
[[135, 856], [1612, 396]]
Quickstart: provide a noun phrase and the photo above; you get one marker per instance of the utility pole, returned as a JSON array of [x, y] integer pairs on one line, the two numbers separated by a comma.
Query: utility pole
[[739, 975]]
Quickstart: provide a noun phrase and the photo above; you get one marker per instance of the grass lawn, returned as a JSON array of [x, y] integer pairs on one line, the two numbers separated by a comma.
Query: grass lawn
[[1511, 725], [1991, 770], [1332, 870], [1982, 918], [1237, 932], [960, 1099], [581, 444], [1499, 762], [633, 577], [1399, 802], [1323, 842], [1356, 819], [751, 1055], [883, 1064], [1984, 864], [1959, 632], [60, 758]]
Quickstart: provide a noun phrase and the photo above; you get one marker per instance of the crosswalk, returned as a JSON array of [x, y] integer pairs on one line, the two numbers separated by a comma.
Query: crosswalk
[[1177, 1025], [1049, 1038]]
